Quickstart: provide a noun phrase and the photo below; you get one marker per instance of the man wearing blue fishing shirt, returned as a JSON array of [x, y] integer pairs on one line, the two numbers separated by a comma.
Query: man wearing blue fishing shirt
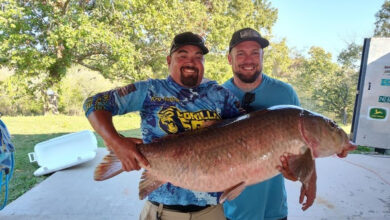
[[163, 105]]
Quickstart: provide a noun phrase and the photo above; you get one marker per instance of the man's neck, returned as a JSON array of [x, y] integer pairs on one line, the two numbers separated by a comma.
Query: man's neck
[[247, 87]]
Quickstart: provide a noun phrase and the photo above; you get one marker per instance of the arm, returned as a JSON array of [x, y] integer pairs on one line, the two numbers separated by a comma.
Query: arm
[[124, 148], [309, 190], [100, 109]]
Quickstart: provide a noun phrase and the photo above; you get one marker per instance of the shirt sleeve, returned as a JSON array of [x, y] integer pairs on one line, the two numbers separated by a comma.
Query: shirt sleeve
[[118, 101]]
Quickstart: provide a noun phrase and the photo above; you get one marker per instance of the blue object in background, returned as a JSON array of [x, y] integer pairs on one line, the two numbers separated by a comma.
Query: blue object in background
[[7, 161], [385, 82]]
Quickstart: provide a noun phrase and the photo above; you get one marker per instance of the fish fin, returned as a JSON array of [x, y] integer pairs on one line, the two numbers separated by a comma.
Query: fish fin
[[109, 167], [219, 123], [302, 165], [232, 192], [148, 184]]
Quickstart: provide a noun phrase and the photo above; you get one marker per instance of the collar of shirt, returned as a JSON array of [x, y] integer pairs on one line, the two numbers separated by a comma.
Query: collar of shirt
[[194, 89]]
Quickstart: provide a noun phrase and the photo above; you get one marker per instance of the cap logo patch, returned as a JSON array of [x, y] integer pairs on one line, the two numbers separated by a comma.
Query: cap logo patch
[[248, 34]]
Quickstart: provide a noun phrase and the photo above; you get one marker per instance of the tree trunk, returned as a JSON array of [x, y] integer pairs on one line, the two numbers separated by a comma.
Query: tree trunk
[[345, 116]]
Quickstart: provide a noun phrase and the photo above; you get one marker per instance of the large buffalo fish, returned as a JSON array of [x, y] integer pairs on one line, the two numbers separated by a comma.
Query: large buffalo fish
[[233, 154]]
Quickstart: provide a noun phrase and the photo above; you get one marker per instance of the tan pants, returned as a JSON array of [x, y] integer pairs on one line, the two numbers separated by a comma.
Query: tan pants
[[211, 213]]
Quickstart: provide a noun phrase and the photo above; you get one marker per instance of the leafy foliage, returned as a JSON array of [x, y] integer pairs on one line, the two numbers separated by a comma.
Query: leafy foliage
[[123, 40], [43, 42], [337, 95], [382, 23], [16, 97], [74, 88], [277, 61], [120, 39], [324, 86]]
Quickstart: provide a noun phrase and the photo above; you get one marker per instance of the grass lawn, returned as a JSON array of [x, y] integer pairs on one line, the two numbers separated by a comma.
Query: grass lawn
[[26, 132]]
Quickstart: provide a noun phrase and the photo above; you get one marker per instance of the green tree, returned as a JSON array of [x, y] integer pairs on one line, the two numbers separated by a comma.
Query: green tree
[[217, 67], [277, 61], [316, 69], [382, 23], [126, 40], [120, 39], [321, 84], [331, 87], [17, 97], [350, 56], [75, 87], [349, 60], [336, 95]]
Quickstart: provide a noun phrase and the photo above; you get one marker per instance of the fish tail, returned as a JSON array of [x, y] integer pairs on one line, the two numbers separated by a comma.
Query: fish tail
[[109, 167]]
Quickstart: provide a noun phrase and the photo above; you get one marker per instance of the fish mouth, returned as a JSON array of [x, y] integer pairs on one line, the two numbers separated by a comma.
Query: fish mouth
[[350, 146]]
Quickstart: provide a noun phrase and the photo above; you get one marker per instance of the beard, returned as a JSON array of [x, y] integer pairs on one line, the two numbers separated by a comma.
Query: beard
[[248, 79], [191, 80]]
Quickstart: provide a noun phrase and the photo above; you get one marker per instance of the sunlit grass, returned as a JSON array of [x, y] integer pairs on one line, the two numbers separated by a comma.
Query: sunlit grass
[[28, 131], [62, 124]]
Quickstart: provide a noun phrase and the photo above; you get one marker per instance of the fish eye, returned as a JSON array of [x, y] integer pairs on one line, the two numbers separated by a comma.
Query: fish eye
[[332, 124]]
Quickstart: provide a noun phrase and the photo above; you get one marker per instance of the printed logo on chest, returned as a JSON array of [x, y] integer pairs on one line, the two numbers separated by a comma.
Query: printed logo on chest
[[172, 120]]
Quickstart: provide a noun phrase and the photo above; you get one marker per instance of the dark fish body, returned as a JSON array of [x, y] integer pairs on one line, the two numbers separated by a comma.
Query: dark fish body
[[236, 153]]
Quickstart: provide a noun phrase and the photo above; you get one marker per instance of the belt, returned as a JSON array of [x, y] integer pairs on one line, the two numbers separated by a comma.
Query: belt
[[182, 208]]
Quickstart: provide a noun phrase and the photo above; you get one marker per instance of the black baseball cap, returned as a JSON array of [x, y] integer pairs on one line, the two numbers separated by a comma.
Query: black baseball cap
[[188, 38], [247, 34]]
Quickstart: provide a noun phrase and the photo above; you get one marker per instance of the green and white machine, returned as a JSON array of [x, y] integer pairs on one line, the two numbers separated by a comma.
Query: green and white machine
[[371, 119]]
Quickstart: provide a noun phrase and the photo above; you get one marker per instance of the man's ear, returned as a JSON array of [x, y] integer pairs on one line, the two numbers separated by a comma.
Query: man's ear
[[229, 56], [262, 55], [169, 60]]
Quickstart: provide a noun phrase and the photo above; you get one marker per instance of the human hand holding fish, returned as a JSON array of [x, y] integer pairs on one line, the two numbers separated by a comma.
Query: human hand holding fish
[[308, 190], [122, 147], [127, 152], [230, 156]]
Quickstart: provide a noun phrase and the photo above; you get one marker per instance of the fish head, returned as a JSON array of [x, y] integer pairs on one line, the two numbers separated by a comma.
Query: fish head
[[323, 135]]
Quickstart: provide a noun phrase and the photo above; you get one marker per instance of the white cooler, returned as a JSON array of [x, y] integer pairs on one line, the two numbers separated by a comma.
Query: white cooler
[[63, 152]]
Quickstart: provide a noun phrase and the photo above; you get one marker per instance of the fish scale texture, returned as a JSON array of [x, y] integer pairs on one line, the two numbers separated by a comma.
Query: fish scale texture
[[217, 158]]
